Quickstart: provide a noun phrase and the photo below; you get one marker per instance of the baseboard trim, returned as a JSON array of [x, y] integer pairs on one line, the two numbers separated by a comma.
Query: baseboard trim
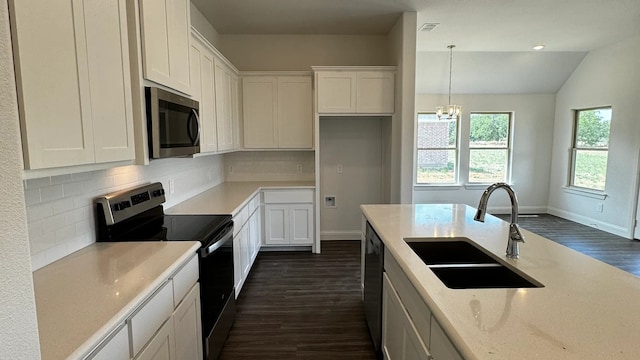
[[341, 235], [521, 210], [596, 224]]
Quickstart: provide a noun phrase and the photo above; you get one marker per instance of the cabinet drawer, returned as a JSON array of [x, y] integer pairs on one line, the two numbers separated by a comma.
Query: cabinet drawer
[[115, 347], [150, 316], [240, 219], [417, 309], [288, 196], [184, 279]]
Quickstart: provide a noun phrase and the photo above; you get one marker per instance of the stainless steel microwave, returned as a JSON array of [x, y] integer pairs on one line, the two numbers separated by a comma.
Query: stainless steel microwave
[[172, 124]]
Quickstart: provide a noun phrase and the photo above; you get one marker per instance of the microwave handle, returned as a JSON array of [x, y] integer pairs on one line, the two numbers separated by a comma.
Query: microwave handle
[[193, 115]]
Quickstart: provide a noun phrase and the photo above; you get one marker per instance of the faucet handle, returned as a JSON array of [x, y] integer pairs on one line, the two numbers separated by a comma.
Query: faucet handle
[[514, 233]]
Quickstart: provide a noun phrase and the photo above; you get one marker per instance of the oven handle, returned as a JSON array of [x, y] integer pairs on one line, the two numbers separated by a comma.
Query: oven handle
[[227, 234]]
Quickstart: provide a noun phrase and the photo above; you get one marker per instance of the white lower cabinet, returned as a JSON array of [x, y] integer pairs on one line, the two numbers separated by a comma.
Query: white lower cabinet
[[288, 217], [246, 240], [165, 326], [400, 339]]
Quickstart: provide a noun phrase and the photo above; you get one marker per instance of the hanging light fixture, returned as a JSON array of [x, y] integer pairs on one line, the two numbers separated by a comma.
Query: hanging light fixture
[[452, 111]]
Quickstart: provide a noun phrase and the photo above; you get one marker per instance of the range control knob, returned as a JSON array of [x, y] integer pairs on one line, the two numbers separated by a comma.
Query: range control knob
[[117, 207], [157, 193]]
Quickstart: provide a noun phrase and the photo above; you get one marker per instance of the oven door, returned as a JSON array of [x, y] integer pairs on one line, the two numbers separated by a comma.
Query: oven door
[[216, 284], [173, 124]]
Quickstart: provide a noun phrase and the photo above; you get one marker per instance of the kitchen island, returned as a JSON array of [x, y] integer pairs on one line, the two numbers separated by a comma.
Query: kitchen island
[[586, 309]]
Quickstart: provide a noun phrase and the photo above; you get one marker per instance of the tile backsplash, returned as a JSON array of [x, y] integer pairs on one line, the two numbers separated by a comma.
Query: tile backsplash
[[270, 166], [60, 209]]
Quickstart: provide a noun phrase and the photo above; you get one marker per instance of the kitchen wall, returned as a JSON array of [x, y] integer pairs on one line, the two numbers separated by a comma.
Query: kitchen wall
[[606, 77], [269, 166], [532, 143], [201, 24], [355, 144], [18, 325], [60, 209]]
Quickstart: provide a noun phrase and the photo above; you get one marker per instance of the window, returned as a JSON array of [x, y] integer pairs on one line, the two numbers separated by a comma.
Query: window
[[489, 147], [437, 150], [590, 148]]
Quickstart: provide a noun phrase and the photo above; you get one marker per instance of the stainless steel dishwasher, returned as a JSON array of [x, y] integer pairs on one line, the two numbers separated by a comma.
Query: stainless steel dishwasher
[[373, 269]]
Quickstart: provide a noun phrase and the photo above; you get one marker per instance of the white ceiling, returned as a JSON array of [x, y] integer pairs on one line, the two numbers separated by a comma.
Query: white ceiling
[[493, 38]]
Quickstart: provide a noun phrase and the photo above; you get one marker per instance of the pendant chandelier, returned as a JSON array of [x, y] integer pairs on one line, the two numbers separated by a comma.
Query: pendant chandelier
[[452, 111]]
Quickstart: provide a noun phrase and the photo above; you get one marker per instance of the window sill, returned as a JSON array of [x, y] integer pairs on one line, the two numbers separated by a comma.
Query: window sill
[[594, 194], [479, 186], [430, 187]]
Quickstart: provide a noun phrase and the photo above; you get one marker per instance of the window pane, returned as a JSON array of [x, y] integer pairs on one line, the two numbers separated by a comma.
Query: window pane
[[590, 169], [434, 133], [436, 166], [487, 165], [489, 130], [593, 128]]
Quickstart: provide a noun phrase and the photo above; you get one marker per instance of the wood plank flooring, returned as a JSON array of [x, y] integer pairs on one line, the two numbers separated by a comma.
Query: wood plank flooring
[[611, 249], [298, 305]]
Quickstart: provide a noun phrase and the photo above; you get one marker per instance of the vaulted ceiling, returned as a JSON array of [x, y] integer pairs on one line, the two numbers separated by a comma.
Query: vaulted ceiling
[[493, 38]]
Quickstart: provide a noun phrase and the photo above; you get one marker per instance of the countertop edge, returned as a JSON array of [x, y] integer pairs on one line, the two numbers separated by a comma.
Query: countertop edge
[[108, 328]]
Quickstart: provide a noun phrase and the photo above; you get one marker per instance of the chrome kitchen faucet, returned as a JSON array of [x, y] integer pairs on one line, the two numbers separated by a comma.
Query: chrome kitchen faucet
[[515, 237]]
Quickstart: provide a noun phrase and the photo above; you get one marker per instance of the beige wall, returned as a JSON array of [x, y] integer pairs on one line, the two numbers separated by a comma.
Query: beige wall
[[204, 27], [18, 327], [300, 52]]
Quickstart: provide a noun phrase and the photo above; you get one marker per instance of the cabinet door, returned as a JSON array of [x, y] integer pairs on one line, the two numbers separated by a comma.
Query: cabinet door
[[224, 108], [52, 80], [188, 327], [295, 112], [259, 110], [109, 79], [255, 237], [276, 224], [440, 345], [165, 42], [114, 348], [336, 92], [209, 137], [162, 345], [376, 91], [245, 252], [236, 111], [400, 340], [237, 263], [301, 217]]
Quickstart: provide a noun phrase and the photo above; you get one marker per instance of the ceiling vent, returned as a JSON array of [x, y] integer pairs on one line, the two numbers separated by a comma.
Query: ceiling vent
[[428, 26]]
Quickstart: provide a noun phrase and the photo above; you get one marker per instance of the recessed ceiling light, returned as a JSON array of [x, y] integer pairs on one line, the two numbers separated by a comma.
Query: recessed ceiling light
[[539, 47]]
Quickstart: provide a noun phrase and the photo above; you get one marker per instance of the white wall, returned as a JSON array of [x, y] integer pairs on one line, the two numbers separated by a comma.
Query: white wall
[[203, 26], [269, 166], [356, 143], [402, 40], [18, 327], [300, 52], [60, 209], [532, 143], [606, 77]]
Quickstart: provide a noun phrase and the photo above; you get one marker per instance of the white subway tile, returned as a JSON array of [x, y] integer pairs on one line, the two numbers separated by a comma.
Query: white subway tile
[[38, 183], [32, 197], [83, 176], [38, 260], [83, 227], [51, 193], [125, 178], [63, 205], [38, 212], [73, 188], [53, 223], [65, 233], [35, 229], [61, 179]]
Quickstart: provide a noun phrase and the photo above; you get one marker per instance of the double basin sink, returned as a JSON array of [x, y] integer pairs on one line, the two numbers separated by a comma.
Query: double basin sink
[[460, 264]]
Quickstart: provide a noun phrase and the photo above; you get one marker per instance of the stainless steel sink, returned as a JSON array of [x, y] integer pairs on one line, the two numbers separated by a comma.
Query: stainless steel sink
[[460, 264]]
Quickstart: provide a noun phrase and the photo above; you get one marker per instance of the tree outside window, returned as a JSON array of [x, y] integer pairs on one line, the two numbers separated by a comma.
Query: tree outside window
[[437, 150], [590, 148], [489, 147]]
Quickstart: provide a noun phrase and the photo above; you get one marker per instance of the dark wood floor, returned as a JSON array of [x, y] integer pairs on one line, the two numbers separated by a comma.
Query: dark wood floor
[[611, 249], [298, 305]]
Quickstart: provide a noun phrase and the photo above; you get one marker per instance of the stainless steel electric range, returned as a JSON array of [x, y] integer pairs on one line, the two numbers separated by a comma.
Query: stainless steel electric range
[[137, 215]]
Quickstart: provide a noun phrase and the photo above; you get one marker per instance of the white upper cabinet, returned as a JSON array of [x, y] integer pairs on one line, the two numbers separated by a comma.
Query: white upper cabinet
[[362, 90], [165, 35], [74, 82], [277, 112], [204, 90], [225, 105]]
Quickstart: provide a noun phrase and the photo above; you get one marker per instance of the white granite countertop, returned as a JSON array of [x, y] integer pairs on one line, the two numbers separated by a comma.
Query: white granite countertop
[[586, 309], [230, 197], [83, 296]]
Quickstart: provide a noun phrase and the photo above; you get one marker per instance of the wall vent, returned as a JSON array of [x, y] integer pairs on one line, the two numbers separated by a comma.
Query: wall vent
[[428, 26]]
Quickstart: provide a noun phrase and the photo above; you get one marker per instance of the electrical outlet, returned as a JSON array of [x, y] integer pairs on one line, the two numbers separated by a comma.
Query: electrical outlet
[[330, 201], [299, 168], [172, 187], [599, 207], [339, 169]]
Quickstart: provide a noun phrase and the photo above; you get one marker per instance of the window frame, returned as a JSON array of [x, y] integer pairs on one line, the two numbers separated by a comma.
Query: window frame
[[574, 150], [456, 149], [509, 146]]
